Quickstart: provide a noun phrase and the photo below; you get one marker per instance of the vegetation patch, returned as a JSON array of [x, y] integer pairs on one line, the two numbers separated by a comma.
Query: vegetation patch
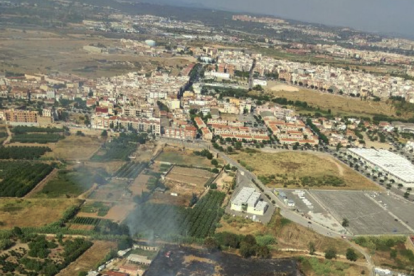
[[27, 153], [19, 178], [130, 170], [166, 221]]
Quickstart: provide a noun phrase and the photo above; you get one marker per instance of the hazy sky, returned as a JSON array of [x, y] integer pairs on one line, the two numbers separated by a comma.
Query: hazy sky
[[389, 16]]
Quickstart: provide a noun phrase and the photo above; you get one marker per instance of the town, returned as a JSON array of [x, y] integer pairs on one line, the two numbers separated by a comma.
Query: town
[[148, 144]]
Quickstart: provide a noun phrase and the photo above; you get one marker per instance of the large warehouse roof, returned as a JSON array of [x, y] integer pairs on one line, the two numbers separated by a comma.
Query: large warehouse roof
[[244, 196], [388, 162]]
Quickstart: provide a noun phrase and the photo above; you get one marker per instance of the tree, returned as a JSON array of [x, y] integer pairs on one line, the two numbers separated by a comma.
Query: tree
[[82, 273], [351, 255], [345, 222], [330, 254], [211, 244], [262, 251], [312, 248], [17, 232], [104, 134], [125, 243], [79, 133], [246, 249], [229, 149], [214, 162], [393, 254]]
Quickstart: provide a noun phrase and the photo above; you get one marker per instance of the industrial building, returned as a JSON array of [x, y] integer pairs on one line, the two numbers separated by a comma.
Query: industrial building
[[385, 164], [248, 200]]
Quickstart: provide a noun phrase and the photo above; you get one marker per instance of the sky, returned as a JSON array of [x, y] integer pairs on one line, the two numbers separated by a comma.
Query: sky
[[384, 16]]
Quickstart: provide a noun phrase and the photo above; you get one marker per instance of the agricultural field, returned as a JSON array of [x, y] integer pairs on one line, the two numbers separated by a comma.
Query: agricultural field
[[88, 260], [75, 148], [140, 184], [120, 148], [98, 208], [189, 176], [88, 221], [26, 212], [24, 134], [115, 190], [183, 157], [291, 169], [166, 221], [25, 153], [68, 183], [19, 178], [41, 255], [130, 170]]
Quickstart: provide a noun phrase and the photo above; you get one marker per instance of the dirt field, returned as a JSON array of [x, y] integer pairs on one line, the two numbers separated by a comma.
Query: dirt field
[[64, 53], [183, 157], [167, 198], [195, 177], [110, 167], [277, 86], [89, 259], [139, 185], [292, 165], [338, 104], [75, 148], [81, 227], [26, 212]]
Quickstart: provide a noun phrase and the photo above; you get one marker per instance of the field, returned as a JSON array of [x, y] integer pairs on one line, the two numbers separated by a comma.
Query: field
[[26, 212], [67, 184], [99, 208], [117, 149], [64, 53], [194, 177], [313, 266], [183, 157], [297, 169], [364, 215], [26, 153], [191, 261], [166, 221], [75, 148], [139, 185], [114, 191], [88, 260], [338, 104], [36, 138], [18, 178]]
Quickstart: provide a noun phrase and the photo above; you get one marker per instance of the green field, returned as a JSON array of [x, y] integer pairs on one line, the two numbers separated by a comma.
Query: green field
[[68, 184]]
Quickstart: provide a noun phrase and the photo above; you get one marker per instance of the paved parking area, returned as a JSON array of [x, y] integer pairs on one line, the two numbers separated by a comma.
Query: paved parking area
[[365, 216], [300, 205], [401, 208]]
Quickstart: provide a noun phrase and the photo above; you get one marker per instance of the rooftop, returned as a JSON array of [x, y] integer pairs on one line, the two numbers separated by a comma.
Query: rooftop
[[388, 162]]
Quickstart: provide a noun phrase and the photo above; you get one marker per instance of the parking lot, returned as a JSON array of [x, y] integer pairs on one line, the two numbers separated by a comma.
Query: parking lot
[[299, 203], [402, 208], [365, 216]]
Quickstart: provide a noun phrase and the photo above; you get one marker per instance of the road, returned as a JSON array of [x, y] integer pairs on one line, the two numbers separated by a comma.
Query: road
[[8, 137]]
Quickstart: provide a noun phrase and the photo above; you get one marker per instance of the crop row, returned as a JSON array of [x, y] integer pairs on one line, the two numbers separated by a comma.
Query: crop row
[[28, 129], [87, 221], [130, 170]]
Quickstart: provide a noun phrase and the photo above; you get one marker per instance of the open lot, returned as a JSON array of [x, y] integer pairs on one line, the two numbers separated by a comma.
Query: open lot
[[189, 261], [88, 260], [26, 212], [140, 184], [114, 191], [292, 169], [75, 148], [338, 104], [195, 177], [365, 216]]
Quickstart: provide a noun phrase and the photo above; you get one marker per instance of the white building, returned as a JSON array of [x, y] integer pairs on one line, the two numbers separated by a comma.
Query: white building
[[389, 164], [248, 200]]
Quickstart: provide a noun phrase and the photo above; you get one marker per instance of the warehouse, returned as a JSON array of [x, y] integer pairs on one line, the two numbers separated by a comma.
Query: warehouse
[[248, 200], [385, 164]]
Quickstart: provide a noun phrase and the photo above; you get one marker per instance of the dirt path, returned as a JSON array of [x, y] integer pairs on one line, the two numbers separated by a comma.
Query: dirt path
[[42, 183], [340, 168], [5, 142]]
